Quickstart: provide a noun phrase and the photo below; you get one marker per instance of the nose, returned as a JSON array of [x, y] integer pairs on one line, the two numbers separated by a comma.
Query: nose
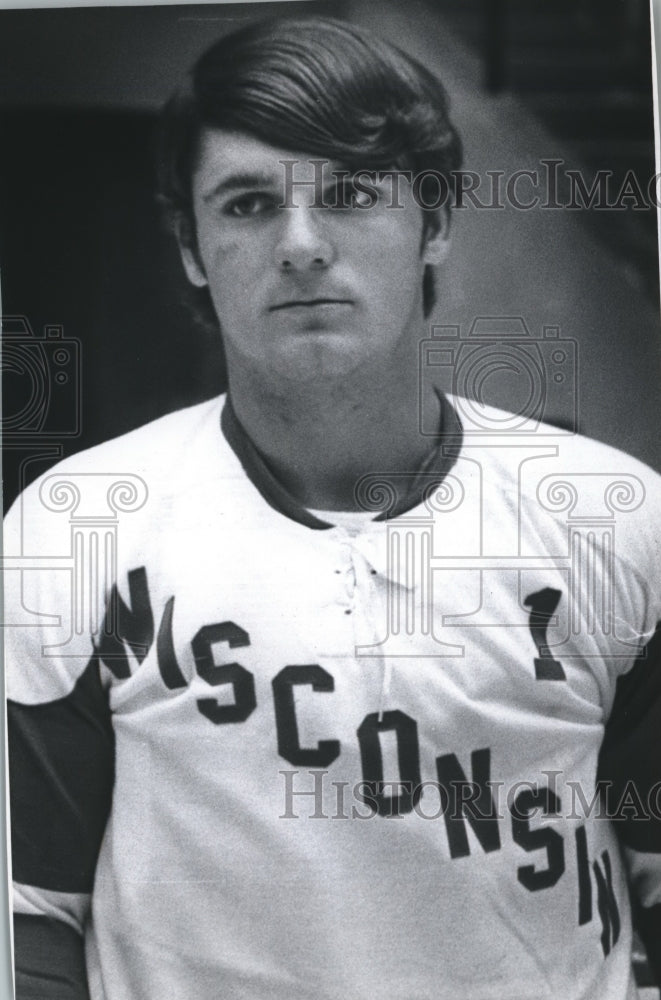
[[304, 244]]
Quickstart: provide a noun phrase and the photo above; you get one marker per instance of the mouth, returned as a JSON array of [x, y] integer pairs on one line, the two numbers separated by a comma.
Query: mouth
[[309, 304]]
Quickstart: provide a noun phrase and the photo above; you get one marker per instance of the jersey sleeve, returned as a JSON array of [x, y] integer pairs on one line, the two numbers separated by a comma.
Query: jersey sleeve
[[49, 960], [630, 773], [60, 751]]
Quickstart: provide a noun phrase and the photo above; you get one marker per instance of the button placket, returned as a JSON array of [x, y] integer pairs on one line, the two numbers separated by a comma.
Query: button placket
[[344, 570], [357, 576]]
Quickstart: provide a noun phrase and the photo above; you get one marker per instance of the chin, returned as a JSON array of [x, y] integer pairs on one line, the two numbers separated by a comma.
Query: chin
[[327, 356]]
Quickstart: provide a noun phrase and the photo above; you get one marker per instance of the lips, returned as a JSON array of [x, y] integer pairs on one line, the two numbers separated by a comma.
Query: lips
[[309, 303]]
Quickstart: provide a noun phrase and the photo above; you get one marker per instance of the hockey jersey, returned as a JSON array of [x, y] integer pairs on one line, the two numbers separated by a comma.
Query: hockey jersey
[[262, 753]]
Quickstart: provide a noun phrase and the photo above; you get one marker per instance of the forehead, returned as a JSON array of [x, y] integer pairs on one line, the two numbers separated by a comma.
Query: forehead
[[227, 159]]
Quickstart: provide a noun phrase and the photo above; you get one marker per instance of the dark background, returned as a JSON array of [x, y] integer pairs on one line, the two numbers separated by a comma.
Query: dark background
[[97, 336], [82, 248]]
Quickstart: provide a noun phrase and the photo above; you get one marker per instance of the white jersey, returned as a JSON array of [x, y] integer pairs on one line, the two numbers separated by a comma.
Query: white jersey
[[287, 759]]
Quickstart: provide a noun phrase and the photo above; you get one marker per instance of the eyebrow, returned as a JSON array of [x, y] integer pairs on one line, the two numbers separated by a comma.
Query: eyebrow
[[240, 181]]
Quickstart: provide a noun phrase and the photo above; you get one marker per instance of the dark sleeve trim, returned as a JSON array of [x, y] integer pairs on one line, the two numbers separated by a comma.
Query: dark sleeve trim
[[648, 924], [630, 759], [49, 960], [61, 774]]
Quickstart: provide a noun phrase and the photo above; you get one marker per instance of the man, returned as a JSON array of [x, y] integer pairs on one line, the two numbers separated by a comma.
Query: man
[[297, 730]]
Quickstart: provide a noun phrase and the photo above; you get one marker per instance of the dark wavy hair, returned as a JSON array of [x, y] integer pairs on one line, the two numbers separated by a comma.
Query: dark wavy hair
[[314, 84]]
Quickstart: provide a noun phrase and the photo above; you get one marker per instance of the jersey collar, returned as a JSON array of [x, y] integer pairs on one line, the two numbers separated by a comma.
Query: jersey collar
[[382, 492]]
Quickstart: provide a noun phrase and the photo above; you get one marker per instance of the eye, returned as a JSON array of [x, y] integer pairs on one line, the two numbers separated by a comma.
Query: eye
[[254, 203], [344, 193], [339, 194], [363, 199]]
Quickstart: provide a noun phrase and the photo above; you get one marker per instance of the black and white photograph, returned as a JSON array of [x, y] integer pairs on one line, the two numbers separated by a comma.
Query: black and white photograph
[[331, 443]]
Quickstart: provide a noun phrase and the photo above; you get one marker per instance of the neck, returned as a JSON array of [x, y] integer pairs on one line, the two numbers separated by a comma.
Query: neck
[[321, 437]]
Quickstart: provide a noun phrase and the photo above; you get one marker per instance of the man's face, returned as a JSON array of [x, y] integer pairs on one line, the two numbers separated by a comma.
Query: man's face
[[304, 291]]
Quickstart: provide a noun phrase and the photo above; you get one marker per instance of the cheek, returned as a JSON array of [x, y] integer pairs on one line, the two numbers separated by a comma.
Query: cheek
[[232, 265], [217, 249], [393, 255], [394, 235]]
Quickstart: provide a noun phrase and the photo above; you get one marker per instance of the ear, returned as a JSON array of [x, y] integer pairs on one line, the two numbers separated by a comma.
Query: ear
[[437, 239], [190, 256]]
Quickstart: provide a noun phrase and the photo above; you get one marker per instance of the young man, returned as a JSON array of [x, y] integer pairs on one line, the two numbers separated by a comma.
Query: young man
[[323, 716]]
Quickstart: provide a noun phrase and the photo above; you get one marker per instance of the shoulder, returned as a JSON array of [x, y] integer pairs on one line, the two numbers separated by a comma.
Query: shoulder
[[553, 479], [159, 458], [153, 445], [503, 443]]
